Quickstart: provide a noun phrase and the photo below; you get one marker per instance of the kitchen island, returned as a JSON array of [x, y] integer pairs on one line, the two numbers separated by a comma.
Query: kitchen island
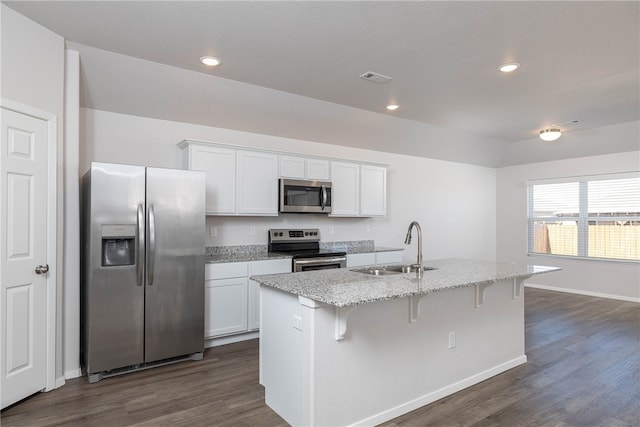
[[340, 347]]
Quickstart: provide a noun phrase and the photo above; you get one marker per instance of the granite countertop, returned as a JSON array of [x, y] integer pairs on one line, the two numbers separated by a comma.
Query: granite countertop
[[356, 247], [247, 253], [244, 257], [374, 249], [343, 287]]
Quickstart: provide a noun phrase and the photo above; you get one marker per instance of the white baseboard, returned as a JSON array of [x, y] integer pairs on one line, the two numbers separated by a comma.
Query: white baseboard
[[73, 373], [439, 394], [215, 342], [579, 292], [59, 382]]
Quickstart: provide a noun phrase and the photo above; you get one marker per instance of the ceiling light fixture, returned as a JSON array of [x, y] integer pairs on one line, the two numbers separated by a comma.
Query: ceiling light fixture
[[509, 67], [550, 134], [392, 107], [210, 61]]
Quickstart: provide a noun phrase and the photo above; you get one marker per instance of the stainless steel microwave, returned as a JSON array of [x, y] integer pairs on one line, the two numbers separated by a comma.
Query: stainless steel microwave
[[300, 196]]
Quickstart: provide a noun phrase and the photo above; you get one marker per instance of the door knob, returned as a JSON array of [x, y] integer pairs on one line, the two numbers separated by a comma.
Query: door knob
[[42, 269]]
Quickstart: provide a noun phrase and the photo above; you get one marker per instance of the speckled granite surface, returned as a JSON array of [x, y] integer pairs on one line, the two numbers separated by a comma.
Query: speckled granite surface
[[242, 253], [343, 287], [245, 253], [356, 247]]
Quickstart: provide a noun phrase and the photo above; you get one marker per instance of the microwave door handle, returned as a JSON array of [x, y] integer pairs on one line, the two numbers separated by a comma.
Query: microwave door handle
[[323, 198]]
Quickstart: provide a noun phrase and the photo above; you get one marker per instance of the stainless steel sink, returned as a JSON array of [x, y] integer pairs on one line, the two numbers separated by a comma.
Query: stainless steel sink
[[375, 271], [407, 268], [391, 269]]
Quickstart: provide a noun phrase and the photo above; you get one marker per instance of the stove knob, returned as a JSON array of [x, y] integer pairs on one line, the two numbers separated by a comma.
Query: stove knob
[[306, 233]]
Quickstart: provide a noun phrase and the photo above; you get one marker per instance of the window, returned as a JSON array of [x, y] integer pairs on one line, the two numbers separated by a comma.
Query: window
[[587, 217]]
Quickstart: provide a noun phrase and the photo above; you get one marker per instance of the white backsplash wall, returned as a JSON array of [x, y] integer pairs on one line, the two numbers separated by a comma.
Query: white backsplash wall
[[238, 230], [455, 203]]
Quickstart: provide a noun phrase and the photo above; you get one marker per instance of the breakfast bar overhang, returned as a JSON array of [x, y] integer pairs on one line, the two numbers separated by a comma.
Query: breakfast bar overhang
[[340, 348]]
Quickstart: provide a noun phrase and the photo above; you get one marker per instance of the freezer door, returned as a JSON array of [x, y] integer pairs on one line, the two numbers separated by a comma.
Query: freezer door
[[174, 303], [113, 262]]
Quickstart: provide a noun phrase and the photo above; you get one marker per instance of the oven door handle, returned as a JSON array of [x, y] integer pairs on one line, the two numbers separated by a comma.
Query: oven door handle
[[320, 260]]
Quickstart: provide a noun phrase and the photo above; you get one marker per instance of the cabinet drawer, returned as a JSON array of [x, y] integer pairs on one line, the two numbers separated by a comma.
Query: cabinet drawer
[[356, 260], [393, 257], [226, 270], [272, 266]]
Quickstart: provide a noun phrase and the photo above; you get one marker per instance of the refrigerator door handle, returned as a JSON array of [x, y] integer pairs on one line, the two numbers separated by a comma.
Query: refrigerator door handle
[[140, 261], [152, 246]]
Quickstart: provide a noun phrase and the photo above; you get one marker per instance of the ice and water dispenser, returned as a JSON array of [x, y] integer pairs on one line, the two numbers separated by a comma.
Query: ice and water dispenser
[[118, 245]]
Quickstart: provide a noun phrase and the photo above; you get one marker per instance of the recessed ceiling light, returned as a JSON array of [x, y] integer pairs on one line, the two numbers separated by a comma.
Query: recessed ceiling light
[[550, 134], [392, 107], [211, 61], [509, 68]]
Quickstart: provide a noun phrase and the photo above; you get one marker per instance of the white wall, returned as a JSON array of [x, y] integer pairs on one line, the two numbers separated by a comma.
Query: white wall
[[601, 278], [618, 138], [437, 193], [32, 74]]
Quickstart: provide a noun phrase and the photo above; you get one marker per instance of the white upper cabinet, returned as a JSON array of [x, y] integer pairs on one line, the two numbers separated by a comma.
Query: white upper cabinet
[[245, 181], [219, 165], [317, 169], [304, 168], [345, 189], [373, 190], [238, 182], [257, 183], [358, 189]]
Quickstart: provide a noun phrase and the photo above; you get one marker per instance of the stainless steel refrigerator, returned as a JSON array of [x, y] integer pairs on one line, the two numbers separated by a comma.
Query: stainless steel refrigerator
[[143, 267]]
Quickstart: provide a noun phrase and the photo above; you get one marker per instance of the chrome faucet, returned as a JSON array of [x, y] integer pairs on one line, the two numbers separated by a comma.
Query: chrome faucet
[[407, 241]]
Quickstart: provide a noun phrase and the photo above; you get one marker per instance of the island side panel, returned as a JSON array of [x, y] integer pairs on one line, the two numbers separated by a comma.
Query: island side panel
[[281, 354], [386, 366]]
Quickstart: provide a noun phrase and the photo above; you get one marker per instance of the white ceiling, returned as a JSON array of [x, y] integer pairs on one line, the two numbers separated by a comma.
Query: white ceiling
[[580, 60]]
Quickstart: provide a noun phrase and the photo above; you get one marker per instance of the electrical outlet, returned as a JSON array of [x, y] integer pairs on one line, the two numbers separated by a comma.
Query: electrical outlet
[[331, 229], [213, 231], [452, 339], [252, 230], [367, 228], [297, 323]]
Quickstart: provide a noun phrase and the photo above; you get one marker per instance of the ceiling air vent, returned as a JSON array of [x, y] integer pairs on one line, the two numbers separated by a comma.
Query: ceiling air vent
[[568, 123], [375, 77]]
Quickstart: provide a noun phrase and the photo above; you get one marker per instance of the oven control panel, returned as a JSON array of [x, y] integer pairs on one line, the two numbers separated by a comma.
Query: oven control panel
[[294, 235]]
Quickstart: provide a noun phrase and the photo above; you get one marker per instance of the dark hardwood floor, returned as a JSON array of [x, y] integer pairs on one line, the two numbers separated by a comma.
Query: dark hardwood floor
[[583, 370]]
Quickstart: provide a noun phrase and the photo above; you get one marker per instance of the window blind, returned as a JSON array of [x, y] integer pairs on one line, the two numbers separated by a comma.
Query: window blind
[[589, 217]]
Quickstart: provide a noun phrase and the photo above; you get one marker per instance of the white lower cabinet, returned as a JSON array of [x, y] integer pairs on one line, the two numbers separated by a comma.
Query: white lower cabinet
[[232, 300], [226, 306], [374, 258], [358, 260], [391, 257]]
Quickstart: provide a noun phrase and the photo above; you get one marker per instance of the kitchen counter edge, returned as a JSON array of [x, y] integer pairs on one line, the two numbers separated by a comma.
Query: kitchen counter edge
[[344, 287]]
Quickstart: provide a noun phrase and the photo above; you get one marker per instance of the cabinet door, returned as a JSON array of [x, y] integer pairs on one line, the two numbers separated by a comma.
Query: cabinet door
[[225, 306], [358, 260], [317, 169], [373, 190], [345, 190], [258, 268], [257, 183], [292, 167], [391, 257], [219, 164]]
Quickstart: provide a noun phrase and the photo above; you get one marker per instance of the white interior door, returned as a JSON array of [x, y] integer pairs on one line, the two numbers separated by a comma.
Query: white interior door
[[23, 256]]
